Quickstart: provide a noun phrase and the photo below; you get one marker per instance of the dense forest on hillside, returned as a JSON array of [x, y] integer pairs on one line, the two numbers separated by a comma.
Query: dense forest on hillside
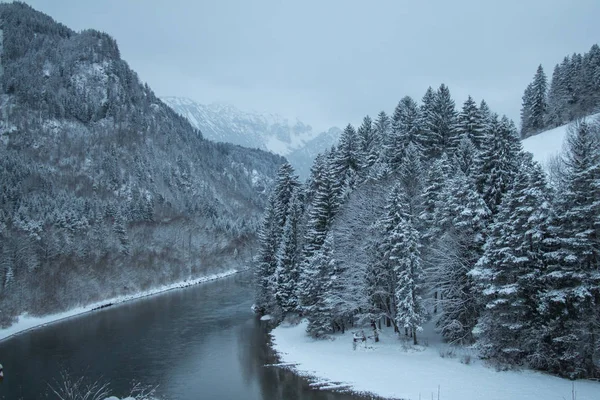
[[434, 213], [106, 190], [573, 92]]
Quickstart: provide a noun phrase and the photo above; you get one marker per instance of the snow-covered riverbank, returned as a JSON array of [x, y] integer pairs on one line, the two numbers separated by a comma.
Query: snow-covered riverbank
[[26, 322], [389, 369]]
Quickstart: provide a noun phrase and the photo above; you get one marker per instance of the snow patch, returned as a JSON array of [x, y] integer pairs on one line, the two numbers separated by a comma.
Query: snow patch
[[549, 144], [27, 322], [388, 370]]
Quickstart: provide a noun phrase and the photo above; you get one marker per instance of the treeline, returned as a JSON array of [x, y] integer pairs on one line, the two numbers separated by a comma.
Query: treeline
[[106, 190], [574, 92], [435, 213]]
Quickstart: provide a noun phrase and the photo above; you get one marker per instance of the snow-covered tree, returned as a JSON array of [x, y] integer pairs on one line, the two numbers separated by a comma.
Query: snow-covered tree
[[404, 257], [497, 162], [571, 303], [470, 124], [439, 121], [509, 274], [405, 131], [287, 272], [535, 105], [462, 217]]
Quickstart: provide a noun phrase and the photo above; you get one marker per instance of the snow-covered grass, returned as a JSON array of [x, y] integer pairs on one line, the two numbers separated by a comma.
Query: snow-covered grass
[[393, 368], [548, 144], [27, 322]]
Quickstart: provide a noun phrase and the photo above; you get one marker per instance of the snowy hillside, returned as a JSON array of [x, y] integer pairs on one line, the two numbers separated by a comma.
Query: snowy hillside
[[547, 145], [226, 123]]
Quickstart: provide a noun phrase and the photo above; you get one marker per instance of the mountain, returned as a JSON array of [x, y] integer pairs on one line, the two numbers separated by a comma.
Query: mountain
[[226, 123], [105, 189]]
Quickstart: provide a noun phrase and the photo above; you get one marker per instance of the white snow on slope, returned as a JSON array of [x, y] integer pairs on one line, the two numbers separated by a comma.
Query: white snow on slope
[[26, 322], [387, 370], [546, 145]]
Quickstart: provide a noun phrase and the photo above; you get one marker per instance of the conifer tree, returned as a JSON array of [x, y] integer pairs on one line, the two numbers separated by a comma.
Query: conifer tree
[[509, 274], [266, 261], [429, 138], [285, 185], [465, 156], [369, 141], [321, 270], [535, 105], [440, 124], [497, 161], [462, 217], [287, 273], [321, 212], [436, 178], [347, 158], [572, 301], [405, 131], [469, 123], [404, 257]]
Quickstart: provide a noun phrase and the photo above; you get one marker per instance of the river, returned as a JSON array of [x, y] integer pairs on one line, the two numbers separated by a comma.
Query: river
[[202, 342]]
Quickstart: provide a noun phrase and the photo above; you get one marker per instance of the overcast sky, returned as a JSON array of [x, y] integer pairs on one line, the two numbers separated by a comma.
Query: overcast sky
[[330, 62]]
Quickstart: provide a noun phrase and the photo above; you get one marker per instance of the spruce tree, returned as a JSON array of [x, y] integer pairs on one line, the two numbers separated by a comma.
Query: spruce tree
[[509, 274], [535, 105], [404, 257], [429, 138], [266, 260], [497, 161], [465, 156], [443, 122], [405, 131], [469, 123], [287, 272], [572, 301], [347, 160], [285, 185], [462, 218], [526, 111], [321, 269], [369, 141]]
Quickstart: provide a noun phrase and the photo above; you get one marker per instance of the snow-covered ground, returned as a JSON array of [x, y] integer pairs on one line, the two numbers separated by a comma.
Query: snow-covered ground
[[392, 369], [546, 145], [26, 322]]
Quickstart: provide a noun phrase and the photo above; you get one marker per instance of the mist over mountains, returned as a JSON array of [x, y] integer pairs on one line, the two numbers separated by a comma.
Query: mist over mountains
[[220, 122]]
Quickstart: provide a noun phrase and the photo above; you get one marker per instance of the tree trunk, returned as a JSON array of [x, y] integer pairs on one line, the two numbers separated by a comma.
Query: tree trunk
[[414, 333]]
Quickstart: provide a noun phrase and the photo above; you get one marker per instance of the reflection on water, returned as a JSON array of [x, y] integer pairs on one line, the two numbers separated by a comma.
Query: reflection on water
[[198, 343]]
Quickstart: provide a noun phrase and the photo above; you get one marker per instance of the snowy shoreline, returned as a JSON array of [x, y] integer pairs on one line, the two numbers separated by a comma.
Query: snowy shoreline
[[388, 370], [26, 323]]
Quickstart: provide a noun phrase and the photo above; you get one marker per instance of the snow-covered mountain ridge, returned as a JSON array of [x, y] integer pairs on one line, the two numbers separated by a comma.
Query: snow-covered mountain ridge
[[223, 122]]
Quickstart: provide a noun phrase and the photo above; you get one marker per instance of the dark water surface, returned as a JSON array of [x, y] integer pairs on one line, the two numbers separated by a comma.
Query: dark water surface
[[197, 343]]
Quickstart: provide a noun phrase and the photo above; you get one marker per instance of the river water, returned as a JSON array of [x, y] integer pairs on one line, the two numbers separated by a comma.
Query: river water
[[197, 343]]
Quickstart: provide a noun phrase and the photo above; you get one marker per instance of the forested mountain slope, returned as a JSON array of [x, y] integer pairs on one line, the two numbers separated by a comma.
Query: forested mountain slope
[[105, 189], [438, 215], [573, 92], [298, 142]]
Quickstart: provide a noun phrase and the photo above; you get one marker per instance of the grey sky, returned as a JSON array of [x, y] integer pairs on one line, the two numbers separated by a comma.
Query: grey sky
[[331, 62]]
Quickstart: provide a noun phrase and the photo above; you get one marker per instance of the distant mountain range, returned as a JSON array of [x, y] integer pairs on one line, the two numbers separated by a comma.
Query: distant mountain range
[[225, 123]]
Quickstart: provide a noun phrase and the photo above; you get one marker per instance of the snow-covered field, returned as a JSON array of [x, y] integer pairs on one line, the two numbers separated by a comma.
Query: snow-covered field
[[393, 370], [26, 322], [546, 145]]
